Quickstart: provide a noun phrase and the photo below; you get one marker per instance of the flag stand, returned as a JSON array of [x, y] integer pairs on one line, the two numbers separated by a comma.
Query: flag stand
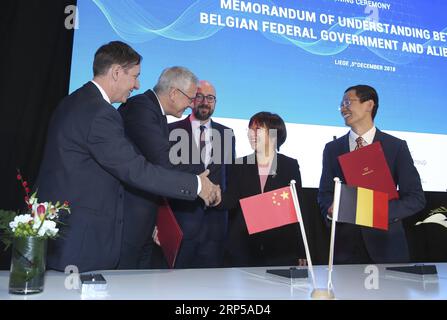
[[328, 293], [303, 230], [322, 294]]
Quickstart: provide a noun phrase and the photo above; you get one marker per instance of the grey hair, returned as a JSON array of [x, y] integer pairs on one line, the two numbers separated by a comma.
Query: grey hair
[[178, 77]]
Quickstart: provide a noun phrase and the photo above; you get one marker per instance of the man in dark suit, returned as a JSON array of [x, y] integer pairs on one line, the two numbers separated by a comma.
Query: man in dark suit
[[356, 244], [87, 159], [209, 145], [145, 123]]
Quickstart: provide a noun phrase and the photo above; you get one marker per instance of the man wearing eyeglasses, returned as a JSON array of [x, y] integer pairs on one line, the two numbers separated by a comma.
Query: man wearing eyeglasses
[[145, 123], [356, 244], [211, 146]]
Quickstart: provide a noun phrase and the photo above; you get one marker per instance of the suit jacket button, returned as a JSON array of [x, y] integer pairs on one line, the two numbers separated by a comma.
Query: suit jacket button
[[182, 191]]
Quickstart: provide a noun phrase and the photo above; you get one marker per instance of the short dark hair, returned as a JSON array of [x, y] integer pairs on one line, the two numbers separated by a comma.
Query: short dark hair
[[271, 121], [115, 52], [365, 93]]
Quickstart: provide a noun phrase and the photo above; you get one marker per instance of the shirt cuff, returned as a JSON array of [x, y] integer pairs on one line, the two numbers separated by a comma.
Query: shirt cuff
[[199, 185]]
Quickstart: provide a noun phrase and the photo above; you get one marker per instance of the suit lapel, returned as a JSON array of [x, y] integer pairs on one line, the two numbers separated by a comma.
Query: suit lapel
[[217, 144], [271, 179], [378, 136], [151, 95], [162, 118], [251, 175], [185, 124], [345, 144]]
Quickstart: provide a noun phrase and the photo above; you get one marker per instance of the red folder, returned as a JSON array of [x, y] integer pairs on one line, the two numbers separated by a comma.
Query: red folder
[[367, 168], [169, 233]]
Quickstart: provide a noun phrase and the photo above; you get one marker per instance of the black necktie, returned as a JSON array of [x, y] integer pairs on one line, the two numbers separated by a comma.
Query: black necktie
[[202, 144]]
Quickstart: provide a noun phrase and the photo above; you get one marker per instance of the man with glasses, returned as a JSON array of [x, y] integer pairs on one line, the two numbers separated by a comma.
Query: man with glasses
[[211, 146], [356, 244], [88, 160], [145, 123]]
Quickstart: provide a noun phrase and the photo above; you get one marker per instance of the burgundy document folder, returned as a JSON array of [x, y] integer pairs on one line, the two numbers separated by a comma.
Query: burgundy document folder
[[367, 168], [169, 233]]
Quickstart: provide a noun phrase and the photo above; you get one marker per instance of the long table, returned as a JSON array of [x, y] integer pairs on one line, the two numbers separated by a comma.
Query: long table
[[349, 282]]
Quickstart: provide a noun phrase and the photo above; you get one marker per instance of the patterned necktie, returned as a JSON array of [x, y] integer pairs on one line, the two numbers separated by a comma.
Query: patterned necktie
[[202, 143], [360, 143]]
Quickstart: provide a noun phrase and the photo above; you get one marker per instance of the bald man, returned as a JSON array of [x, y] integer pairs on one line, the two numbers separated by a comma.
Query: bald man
[[211, 146]]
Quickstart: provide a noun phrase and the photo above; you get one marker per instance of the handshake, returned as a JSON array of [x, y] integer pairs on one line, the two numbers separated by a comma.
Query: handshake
[[210, 193]]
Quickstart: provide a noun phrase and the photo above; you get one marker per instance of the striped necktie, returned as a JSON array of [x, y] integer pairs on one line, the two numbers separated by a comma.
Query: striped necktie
[[360, 143]]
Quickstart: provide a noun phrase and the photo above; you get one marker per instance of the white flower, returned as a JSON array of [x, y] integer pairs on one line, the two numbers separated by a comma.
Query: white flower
[[48, 228], [52, 212], [38, 224], [23, 218], [37, 220], [34, 211]]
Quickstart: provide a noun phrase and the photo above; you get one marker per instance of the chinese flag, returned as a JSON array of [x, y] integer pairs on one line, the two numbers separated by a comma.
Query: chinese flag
[[268, 210]]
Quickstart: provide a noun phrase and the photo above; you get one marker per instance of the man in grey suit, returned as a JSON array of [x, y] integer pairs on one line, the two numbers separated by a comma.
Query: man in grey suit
[[88, 158], [145, 123]]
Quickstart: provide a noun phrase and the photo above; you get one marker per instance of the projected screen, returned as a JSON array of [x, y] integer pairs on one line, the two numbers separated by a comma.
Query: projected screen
[[294, 58]]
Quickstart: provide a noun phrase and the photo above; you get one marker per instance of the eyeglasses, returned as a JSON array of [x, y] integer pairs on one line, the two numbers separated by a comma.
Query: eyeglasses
[[209, 98], [347, 103], [191, 100]]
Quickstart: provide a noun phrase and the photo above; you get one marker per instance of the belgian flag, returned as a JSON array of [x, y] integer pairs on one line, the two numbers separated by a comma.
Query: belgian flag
[[363, 207]]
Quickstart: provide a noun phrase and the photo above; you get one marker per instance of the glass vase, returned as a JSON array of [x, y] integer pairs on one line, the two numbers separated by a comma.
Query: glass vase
[[27, 273]]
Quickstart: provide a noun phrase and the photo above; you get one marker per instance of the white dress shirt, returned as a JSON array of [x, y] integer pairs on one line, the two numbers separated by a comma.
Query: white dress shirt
[[103, 93], [195, 127], [368, 138]]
